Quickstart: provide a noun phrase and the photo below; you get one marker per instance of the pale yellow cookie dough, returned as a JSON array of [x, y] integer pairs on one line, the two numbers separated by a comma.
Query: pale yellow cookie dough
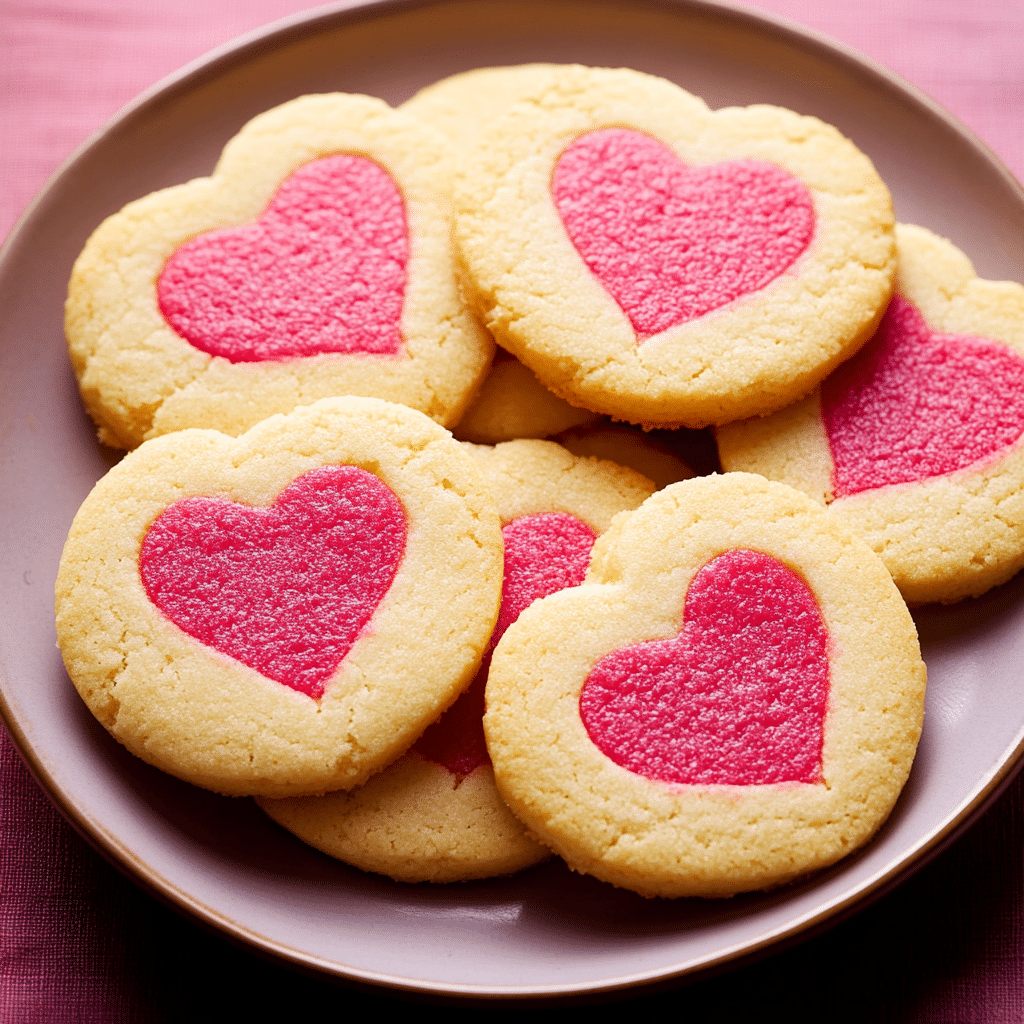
[[139, 379], [663, 839], [211, 720], [944, 538], [462, 105], [513, 404], [529, 477], [751, 357], [416, 821], [629, 447]]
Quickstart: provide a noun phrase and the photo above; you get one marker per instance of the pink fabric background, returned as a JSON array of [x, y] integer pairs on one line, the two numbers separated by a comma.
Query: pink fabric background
[[80, 943]]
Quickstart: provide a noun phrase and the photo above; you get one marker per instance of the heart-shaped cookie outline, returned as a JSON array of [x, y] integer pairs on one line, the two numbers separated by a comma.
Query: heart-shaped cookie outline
[[944, 538], [749, 358], [139, 379], [150, 684], [525, 478], [679, 840]]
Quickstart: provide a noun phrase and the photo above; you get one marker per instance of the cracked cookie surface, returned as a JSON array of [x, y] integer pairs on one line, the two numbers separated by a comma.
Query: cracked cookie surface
[[318, 590], [315, 261]]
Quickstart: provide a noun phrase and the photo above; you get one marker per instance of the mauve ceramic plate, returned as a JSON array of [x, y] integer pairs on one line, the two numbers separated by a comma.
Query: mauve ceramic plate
[[545, 931]]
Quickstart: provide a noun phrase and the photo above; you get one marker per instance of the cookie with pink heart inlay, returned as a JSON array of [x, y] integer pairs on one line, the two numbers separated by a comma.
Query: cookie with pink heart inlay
[[738, 698], [286, 590], [281, 613], [667, 264], [435, 815], [731, 700], [322, 270], [916, 441], [315, 261]]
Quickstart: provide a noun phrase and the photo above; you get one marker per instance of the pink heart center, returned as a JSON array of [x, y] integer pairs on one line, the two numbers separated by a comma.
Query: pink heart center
[[323, 270], [286, 590], [738, 698], [914, 403], [671, 243], [543, 553]]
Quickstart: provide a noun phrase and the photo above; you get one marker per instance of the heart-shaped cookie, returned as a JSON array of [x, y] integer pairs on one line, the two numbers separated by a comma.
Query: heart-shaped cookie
[[916, 403], [765, 737], [737, 699], [316, 260], [917, 442], [670, 242], [323, 270], [288, 589], [543, 553]]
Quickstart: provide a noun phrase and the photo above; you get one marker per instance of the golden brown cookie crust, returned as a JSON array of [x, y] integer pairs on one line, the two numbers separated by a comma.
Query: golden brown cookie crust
[[944, 538], [756, 355], [209, 719], [661, 839], [140, 379]]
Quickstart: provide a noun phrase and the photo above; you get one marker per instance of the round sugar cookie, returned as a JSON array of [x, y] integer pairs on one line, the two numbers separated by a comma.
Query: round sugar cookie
[[513, 404], [731, 700], [435, 815], [916, 441], [316, 261], [283, 612], [665, 264]]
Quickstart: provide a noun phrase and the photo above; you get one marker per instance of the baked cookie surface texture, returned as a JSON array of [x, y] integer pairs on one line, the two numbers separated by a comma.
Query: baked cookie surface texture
[[286, 611], [666, 264], [916, 441], [628, 446], [461, 106], [731, 700], [315, 261], [435, 814], [512, 403]]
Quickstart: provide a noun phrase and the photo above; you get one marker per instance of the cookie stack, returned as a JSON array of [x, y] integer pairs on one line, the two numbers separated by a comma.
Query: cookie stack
[[440, 660]]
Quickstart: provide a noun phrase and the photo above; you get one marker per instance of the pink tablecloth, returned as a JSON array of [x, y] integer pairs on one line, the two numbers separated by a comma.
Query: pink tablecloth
[[81, 943]]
